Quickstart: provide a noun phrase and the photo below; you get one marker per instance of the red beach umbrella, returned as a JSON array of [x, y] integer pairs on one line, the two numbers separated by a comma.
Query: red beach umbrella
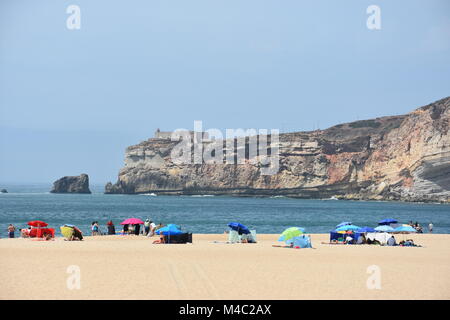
[[132, 221], [37, 223]]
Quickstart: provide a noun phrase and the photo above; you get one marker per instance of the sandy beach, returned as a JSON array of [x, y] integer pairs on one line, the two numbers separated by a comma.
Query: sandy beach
[[131, 267]]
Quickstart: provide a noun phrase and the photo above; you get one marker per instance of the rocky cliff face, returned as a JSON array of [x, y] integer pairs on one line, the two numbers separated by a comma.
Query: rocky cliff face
[[390, 158], [74, 184]]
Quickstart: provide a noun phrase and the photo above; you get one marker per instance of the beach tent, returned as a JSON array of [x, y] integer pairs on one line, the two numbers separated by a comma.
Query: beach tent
[[290, 233], [382, 237], [302, 241], [240, 228], [384, 228], [341, 235]]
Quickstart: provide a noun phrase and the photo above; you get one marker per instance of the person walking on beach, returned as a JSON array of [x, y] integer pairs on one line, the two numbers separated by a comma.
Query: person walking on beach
[[152, 228], [146, 227], [430, 227], [11, 230]]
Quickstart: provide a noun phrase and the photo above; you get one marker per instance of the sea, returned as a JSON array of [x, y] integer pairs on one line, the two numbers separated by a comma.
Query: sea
[[205, 214]]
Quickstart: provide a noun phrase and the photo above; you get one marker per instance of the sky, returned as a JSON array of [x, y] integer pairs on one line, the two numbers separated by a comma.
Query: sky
[[71, 101]]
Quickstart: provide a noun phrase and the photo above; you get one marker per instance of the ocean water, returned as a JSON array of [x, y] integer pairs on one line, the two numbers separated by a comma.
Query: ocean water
[[205, 214]]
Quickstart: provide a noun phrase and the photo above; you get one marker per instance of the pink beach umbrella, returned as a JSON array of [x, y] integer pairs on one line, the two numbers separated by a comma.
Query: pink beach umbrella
[[132, 221]]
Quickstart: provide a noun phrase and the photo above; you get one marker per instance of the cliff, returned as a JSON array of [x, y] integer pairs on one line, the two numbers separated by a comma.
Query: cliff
[[73, 184], [404, 157]]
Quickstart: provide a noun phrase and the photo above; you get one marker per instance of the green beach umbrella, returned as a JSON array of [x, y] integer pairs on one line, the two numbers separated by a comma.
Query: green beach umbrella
[[290, 233]]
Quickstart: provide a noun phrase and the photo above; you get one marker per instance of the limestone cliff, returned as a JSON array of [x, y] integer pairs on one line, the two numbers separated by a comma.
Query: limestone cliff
[[72, 184], [403, 157]]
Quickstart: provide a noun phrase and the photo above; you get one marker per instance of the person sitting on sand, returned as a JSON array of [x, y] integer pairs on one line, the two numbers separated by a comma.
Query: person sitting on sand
[[25, 233], [161, 240], [348, 240], [391, 241], [361, 239], [77, 234]]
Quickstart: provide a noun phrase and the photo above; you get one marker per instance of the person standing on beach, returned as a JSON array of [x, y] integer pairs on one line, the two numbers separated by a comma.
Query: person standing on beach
[[137, 227], [146, 227], [430, 227], [152, 228], [111, 228], [11, 230], [94, 228]]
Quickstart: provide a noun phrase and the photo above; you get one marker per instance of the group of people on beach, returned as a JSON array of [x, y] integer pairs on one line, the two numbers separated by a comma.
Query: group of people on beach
[[390, 242], [131, 229], [150, 227], [419, 228]]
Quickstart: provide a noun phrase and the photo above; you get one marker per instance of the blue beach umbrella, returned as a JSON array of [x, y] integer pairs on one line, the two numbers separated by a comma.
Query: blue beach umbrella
[[169, 230], [405, 229], [240, 228], [384, 228], [343, 224], [387, 221], [365, 229], [349, 227]]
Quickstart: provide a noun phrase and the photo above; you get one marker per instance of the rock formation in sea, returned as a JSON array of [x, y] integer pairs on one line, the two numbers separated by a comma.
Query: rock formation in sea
[[72, 184], [405, 157], [3, 191]]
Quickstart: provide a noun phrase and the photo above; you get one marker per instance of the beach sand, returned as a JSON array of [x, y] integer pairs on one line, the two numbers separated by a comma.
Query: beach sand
[[131, 267]]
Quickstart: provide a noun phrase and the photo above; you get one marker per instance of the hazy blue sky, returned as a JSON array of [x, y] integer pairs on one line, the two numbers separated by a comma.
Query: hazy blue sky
[[71, 101]]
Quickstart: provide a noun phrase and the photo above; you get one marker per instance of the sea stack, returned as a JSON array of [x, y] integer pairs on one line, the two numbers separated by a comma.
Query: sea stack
[[72, 184]]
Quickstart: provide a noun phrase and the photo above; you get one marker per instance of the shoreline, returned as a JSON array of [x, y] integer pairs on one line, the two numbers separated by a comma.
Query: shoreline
[[237, 195], [131, 267]]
